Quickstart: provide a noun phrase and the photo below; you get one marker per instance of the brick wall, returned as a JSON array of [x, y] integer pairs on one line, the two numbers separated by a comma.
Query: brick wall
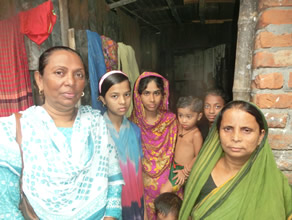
[[272, 76]]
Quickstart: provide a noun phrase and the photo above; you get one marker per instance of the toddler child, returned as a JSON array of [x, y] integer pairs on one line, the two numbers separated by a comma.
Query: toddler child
[[189, 142]]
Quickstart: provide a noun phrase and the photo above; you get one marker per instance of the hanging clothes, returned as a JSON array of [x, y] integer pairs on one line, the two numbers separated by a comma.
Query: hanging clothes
[[96, 67], [128, 64], [15, 82], [37, 23], [110, 53]]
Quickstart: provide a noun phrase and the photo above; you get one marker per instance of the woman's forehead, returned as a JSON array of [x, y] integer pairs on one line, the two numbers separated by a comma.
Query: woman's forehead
[[63, 57], [238, 116]]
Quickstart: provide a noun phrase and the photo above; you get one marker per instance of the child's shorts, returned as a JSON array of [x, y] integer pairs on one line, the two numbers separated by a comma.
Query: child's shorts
[[174, 166]]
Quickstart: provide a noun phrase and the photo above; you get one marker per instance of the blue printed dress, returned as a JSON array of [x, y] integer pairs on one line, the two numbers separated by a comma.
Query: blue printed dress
[[69, 173], [128, 142]]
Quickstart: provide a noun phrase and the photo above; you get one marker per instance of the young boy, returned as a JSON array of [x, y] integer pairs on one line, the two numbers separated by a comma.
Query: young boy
[[189, 142], [167, 206]]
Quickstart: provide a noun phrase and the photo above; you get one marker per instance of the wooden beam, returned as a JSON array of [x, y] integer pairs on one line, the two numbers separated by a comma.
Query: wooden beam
[[120, 3], [139, 17], [72, 45], [64, 21], [247, 22], [161, 8], [213, 21], [202, 9], [71, 38], [208, 1], [173, 10]]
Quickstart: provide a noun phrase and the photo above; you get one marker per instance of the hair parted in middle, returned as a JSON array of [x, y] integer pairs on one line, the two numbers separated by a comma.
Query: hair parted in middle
[[144, 83], [244, 106]]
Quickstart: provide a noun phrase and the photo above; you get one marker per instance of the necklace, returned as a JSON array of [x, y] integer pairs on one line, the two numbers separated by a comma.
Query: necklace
[[182, 135]]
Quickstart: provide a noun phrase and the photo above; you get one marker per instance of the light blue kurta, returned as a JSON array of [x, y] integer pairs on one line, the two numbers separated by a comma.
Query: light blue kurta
[[69, 173]]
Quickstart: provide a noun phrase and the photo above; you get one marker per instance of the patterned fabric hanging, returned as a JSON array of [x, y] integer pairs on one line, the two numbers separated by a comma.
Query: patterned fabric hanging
[[110, 53], [15, 82]]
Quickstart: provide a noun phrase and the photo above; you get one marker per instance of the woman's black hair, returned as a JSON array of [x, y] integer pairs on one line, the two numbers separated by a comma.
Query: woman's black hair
[[244, 106], [144, 83], [218, 92], [44, 58], [112, 80]]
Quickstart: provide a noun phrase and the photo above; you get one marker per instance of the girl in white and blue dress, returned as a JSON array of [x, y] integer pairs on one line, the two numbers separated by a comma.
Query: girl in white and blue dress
[[115, 94]]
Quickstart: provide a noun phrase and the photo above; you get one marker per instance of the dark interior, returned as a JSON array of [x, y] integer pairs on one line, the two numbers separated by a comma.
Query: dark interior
[[196, 42]]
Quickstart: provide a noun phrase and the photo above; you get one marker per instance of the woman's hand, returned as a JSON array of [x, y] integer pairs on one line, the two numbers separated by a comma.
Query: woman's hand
[[180, 177], [109, 218]]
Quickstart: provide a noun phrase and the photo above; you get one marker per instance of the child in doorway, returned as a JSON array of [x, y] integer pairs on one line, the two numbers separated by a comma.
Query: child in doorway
[[189, 142], [167, 206], [214, 101]]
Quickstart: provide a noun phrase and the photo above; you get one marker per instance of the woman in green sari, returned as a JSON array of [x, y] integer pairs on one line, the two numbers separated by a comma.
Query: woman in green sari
[[235, 175]]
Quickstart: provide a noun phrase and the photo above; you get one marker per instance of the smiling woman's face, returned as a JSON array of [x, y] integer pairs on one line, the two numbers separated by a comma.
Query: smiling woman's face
[[239, 134]]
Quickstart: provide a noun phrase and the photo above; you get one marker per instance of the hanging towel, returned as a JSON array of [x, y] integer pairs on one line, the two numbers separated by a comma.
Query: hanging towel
[[96, 67], [37, 23], [15, 84], [128, 64], [110, 52]]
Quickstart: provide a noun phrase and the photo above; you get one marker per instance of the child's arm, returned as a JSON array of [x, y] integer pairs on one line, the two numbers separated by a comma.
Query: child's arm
[[197, 144]]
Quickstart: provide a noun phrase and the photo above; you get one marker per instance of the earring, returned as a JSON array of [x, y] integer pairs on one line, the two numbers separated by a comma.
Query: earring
[[41, 92], [82, 94], [103, 105]]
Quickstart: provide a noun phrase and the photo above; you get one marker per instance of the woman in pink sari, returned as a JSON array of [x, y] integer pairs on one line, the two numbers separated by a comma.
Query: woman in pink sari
[[158, 132]]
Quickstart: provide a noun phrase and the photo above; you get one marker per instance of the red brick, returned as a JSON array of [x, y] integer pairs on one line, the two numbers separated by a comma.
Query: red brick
[[285, 163], [276, 120], [280, 141], [283, 159], [273, 100], [290, 80], [275, 16], [280, 58], [289, 176], [253, 85], [268, 39], [274, 3], [269, 81]]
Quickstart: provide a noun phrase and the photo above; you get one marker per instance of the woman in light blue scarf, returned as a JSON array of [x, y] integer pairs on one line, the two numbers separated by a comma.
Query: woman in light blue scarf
[[115, 94], [71, 168]]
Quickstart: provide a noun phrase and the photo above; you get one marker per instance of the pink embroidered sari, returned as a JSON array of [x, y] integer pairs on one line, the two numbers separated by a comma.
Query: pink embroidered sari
[[158, 142]]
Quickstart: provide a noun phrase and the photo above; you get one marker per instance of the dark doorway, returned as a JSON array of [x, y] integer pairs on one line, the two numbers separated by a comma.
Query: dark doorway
[[191, 42]]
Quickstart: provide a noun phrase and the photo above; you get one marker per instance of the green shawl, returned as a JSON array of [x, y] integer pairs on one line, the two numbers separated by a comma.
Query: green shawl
[[258, 191]]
